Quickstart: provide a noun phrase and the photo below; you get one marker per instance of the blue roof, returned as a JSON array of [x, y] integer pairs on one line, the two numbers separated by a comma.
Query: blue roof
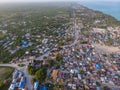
[[21, 84], [24, 43], [43, 88], [98, 66], [36, 84], [61, 32]]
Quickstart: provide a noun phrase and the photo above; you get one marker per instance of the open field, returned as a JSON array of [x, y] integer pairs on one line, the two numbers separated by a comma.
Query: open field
[[5, 72], [2, 35], [107, 49]]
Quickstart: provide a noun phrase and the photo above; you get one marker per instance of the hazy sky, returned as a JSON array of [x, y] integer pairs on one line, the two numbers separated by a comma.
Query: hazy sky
[[1, 1], [32, 0]]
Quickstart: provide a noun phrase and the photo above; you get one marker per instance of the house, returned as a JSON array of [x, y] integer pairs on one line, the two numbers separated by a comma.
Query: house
[[46, 50], [54, 74], [14, 81], [3, 31], [20, 74], [45, 62], [24, 43], [12, 87], [61, 33], [45, 41], [74, 71], [36, 85], [43, 88], [22, 79], [27, 36], [15, 74], [21, 85], [74, 86]]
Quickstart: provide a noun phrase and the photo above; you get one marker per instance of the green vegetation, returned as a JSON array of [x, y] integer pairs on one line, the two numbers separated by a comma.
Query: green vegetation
[[59, 58], [42, 20], [21, 65], [41, 75], [81, 72], [2, 35], [31, 70], [33, 80], [91, 15], [50, 63], [51, 86]]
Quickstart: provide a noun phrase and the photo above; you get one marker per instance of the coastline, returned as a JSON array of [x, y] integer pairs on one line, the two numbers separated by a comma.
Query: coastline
[[108, 8]]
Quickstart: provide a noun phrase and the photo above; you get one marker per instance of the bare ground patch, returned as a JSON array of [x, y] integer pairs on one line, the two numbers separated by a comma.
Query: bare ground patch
[[106, 49]]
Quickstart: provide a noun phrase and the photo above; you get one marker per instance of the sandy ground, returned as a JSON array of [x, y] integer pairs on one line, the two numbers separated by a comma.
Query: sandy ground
[[107, 49]]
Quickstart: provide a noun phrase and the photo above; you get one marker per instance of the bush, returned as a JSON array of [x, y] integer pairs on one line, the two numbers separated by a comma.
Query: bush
[[59, 58], [51, 63], [1, 84], [33, 80], [21, 65], [32, 71], [81, 72]]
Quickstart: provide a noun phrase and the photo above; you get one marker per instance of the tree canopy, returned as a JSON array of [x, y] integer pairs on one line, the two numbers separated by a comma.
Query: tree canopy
[[41, 75]]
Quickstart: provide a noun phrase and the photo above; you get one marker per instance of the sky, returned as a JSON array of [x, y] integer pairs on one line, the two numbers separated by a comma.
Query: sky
[[3, 1], [32, 0]]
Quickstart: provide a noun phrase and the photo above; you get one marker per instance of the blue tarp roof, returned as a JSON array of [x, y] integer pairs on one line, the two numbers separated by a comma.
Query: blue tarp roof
[[24, 43], [98, 66], [21, 84], [43, 88], [36, 84], [61, 32]]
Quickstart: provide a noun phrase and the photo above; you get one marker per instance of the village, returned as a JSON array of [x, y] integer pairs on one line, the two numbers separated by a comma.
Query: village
[[69, 56]]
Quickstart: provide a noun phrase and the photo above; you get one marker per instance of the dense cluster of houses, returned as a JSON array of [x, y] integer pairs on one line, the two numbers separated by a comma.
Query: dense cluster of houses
[[109, 36], [83, 66], [38, 43], [86, 68], [18, 82]]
